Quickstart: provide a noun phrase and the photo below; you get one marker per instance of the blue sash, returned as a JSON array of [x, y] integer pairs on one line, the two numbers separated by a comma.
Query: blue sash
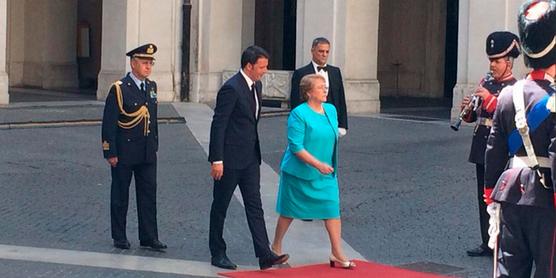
[[534, 118]]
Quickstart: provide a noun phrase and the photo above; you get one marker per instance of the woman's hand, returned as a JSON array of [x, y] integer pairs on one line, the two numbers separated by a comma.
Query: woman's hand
[[324, 168]]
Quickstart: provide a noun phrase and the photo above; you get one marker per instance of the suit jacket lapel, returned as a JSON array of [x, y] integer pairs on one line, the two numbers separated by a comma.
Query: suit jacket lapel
[[247, 94], [310, 68]]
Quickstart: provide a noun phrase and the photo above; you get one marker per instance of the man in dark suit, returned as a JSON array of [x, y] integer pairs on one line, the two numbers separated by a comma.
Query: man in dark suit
[[320, 49], [235, 156], [130, 143]]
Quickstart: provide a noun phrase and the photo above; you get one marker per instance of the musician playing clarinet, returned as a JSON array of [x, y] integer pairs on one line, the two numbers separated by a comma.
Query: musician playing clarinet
[[501, 49]]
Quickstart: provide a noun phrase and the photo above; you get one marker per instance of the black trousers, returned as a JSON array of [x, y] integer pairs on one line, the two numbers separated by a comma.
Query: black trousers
[[249, 183], [145, 189], [483, 214], [527, 235]]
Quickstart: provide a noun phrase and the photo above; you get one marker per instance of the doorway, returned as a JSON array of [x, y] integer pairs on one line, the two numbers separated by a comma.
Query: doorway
[[417, 56], [275, 31], [53, 51]]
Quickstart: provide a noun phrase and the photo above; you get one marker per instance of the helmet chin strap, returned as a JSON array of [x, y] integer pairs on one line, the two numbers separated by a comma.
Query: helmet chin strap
[[507, 71]]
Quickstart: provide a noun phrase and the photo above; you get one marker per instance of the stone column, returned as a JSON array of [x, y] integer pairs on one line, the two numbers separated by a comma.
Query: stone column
[[113, 60], [361, 56], [59, 57], [477, 19], [4, 95], [352, 28], [16, 42], [216, 45], [131, 23]]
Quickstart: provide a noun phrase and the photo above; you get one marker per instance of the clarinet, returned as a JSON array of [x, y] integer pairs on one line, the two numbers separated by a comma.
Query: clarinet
[[473, 105]]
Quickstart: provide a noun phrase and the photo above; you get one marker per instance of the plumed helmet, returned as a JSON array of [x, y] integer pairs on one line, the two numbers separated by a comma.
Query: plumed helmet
[[537, 30], [502, 44]]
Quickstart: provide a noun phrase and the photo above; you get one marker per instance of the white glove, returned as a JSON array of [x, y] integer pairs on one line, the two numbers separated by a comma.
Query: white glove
[[342, 131], [494, 223]]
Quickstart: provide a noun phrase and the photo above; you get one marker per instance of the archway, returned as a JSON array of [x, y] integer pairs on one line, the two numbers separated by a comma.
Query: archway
[[417, 53], [53, 49]]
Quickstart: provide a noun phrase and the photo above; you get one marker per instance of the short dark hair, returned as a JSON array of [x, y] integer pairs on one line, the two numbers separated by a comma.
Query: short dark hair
[[251, 54], [319, 40]]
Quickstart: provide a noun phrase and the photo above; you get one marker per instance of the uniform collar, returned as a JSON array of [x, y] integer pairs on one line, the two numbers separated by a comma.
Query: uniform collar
[[136, 80], [540, 75], [509, 77]]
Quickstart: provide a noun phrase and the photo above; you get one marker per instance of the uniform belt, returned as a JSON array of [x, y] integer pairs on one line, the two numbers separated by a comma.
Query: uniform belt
[[485, 121], [523, 162]]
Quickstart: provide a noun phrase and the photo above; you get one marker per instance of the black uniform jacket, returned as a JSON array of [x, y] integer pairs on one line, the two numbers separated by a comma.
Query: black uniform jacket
[[519, 186], [481, 132], [131, 146], [233, 133], [336, 94]]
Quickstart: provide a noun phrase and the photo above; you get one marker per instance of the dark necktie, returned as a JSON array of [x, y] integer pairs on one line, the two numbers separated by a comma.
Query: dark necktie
[[143, 89], [325, 68], [254, 99]]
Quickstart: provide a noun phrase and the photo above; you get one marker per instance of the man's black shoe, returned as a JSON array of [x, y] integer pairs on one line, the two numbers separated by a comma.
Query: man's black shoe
[[479, 252], [273, 259], [222, 261], [122, 244], [155, 245]]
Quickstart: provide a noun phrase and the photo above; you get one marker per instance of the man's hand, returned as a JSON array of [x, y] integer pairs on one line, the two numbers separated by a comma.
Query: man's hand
[[113, 161], [216, 171], [466, 100], [342, 131], [482, 92]]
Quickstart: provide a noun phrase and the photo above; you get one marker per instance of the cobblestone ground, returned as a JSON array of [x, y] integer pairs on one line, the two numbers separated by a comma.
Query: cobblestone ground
[[407, 193]]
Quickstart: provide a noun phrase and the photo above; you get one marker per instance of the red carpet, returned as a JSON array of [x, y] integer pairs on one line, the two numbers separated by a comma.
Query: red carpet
[[363, 269]]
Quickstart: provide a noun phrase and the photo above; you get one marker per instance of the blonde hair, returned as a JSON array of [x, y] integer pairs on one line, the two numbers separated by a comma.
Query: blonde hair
[[307, 83]]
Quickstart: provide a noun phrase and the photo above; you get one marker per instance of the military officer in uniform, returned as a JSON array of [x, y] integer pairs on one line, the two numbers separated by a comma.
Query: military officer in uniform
[[518, 186], [130, 145], [501, 49]]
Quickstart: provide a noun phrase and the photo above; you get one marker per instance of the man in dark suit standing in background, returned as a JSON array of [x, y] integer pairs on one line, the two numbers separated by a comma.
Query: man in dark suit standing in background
[[130, 144], [320, 49], [235, 157]]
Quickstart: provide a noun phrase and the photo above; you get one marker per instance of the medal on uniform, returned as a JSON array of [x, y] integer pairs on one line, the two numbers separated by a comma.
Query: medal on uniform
[[153, 93]]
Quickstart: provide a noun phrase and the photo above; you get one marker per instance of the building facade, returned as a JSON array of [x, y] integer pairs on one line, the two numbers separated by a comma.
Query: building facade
[[385, 48]]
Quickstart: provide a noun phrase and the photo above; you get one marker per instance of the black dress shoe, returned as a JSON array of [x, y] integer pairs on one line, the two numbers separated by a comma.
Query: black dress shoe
[[479, 252], [273, 259], [155, 244], [222, 261], [122, 244]]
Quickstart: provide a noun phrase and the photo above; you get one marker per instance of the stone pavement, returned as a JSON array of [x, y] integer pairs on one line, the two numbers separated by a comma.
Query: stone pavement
[[407, 196]]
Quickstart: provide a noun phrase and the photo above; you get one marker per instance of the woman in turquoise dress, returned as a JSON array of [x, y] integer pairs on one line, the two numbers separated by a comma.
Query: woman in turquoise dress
[[308, 180]]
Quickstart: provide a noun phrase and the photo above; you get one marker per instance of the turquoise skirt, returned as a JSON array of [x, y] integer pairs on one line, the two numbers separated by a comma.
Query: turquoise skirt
[[308, 199]]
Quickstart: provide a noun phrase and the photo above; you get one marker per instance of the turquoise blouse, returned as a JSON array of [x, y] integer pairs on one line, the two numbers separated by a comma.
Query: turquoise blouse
[[307, 131]]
